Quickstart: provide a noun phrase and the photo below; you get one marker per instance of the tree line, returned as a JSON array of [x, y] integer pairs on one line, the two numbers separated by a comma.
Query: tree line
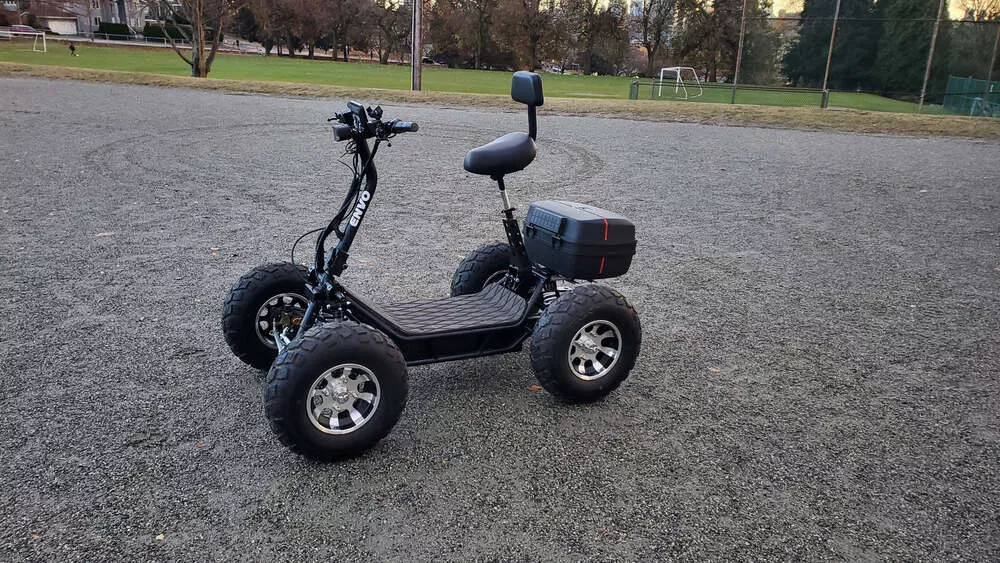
[[593, 36], [881, 46]]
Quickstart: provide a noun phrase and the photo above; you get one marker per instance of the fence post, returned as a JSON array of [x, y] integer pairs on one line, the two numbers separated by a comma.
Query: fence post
[[633, 90], [739, 52], [993, 62], [829, 53], [824, 101], [930, 55]]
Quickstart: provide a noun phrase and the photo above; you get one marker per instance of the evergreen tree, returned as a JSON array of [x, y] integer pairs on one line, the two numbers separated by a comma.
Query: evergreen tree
[[760, 47], [854, 50], [905, 43]]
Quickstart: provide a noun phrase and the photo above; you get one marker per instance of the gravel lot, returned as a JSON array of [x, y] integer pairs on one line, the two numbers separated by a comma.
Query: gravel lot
[[820, 375]]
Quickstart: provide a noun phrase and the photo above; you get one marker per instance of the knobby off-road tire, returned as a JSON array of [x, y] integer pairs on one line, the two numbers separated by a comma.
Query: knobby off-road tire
[[244, 302], [306, 362], [573, 338], [483, 265]]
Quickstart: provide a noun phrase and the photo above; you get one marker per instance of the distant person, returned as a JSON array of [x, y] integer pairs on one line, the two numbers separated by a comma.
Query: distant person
[[72, 50], [237, 44]]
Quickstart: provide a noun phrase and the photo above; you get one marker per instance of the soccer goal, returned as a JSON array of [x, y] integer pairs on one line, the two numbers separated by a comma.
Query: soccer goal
[[680, 77], [12, 34]]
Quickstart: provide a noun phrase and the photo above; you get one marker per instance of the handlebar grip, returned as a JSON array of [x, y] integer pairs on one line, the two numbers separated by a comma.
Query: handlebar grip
[[342, 132], [405, 127]]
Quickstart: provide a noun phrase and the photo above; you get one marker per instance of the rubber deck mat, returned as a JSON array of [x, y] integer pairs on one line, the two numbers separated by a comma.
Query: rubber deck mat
[[494, 305]]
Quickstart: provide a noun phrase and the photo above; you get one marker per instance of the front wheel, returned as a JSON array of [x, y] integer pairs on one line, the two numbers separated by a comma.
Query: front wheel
[[336, 391], [585, 343], [266, 298]]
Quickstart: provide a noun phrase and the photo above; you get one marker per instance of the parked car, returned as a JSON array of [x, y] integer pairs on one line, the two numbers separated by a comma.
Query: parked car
[[23, 29]]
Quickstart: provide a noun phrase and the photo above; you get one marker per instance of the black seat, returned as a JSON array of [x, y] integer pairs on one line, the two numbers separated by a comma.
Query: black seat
[[509, 153]]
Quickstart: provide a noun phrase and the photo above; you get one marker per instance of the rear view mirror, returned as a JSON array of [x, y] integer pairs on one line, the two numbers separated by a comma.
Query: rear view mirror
[[526, 87]]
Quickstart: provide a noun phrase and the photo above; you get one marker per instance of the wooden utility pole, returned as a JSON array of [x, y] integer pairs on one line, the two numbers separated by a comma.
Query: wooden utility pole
[[416, 47], [739, 52], [930, 56], [829, 53]]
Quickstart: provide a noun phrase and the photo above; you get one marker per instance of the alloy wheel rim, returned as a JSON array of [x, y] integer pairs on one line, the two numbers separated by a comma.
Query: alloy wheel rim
[[271, 309], [594, 350], [343, 399]]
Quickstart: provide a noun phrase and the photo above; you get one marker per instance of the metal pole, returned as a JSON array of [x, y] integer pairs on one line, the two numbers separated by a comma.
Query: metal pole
[[416, 50], [930, 56], [739, 52], [993, 62], [829, 53]]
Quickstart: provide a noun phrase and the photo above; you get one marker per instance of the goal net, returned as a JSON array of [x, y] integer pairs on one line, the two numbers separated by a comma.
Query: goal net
[[35, 38], [680, 82]]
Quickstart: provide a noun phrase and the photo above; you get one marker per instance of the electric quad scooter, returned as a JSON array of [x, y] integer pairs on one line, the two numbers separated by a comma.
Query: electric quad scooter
[[337, 382]]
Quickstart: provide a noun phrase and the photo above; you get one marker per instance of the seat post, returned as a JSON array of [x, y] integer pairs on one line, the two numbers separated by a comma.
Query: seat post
[[519, 256], [503, 193]]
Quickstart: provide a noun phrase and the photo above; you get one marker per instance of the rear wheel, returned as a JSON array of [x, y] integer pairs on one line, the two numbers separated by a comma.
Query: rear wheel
[[267, 297], [585, 343], [483, 266], [336, 391]]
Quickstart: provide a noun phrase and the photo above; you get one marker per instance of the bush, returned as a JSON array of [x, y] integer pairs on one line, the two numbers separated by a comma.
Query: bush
[[161, 31], [158, 31], [121, 30]]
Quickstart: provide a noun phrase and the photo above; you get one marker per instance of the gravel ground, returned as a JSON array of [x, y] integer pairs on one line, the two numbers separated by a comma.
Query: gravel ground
[[820, 374]]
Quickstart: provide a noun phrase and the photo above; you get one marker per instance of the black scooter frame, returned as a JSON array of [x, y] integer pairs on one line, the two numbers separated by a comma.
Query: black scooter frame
[[331, 301]]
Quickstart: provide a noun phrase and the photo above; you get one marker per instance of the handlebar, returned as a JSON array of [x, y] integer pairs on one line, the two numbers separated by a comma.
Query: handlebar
[[405, 127], [342, 132], [355, 122]]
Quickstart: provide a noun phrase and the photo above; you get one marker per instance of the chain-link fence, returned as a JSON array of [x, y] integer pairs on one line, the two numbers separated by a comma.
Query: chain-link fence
[[893, 55]]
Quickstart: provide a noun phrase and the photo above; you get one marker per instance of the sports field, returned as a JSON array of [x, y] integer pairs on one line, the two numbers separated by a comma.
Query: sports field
[[439, 79]]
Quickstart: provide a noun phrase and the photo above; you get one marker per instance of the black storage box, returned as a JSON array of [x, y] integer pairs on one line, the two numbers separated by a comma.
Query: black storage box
[[578, 241]]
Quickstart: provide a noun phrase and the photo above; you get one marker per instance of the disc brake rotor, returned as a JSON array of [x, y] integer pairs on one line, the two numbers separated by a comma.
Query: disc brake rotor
[[282, 312]]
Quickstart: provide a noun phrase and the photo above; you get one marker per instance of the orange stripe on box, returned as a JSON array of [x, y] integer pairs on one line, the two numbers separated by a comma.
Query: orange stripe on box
[[605, 229], [601, 271]]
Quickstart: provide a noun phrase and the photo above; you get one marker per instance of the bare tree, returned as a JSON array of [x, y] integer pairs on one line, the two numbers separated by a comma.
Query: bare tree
[[981, 10], [652, 27], [584, 18], [479, 18], [529, 29], [392, 27], [346, 26], [600, 29], [311, 21], [200, 23]]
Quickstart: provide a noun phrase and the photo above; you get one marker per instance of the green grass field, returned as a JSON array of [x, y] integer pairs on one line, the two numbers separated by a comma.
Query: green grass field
[[283, 69]]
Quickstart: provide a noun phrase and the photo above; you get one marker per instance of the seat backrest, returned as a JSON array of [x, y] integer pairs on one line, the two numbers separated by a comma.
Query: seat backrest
[[526, 87]]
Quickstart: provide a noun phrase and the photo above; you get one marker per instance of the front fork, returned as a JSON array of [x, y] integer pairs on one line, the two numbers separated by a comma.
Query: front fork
[[319, 298]]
